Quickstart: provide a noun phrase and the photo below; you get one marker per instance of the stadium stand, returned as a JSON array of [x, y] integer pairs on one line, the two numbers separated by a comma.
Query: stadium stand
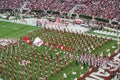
[[108, 9]]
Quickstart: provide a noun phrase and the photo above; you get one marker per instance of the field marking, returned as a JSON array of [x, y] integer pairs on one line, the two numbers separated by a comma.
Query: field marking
[[15, 28], [20, 31], [3, 26]]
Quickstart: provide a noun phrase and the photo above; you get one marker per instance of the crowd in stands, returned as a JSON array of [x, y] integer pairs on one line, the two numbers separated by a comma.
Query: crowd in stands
[[57, 5], [109, 9], [11, 4]]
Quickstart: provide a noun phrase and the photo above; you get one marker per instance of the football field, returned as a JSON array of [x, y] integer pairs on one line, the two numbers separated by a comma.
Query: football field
[[42, 61], [11, 30]]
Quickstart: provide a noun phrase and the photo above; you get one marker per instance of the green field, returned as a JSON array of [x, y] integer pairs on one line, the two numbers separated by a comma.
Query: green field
[[31, 53], [8, 29]]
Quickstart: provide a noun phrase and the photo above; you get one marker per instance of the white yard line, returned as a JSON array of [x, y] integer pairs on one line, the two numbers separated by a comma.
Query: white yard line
[[111, 29], [106, 33], [116, 39]]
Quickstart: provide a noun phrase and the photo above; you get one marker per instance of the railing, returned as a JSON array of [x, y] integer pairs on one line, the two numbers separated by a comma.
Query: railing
[[24, 5], [74, 8]]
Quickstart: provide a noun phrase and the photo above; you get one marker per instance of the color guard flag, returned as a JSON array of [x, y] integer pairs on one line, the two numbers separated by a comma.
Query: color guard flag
[[38, 42], [27, 40]]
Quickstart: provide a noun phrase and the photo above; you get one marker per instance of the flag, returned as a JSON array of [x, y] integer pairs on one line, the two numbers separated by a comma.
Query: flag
[[45, 43], [62, 47], [58, 46], [51, 46], [27, 40], [38, 42]]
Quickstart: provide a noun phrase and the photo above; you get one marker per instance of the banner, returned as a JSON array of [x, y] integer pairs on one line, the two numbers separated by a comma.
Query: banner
[[37, 42]]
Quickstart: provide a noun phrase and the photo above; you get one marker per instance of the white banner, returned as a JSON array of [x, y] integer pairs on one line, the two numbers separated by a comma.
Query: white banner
[[38, 42]]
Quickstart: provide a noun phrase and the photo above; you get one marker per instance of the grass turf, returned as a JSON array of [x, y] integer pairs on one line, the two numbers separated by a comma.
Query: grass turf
[[11, 30]]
